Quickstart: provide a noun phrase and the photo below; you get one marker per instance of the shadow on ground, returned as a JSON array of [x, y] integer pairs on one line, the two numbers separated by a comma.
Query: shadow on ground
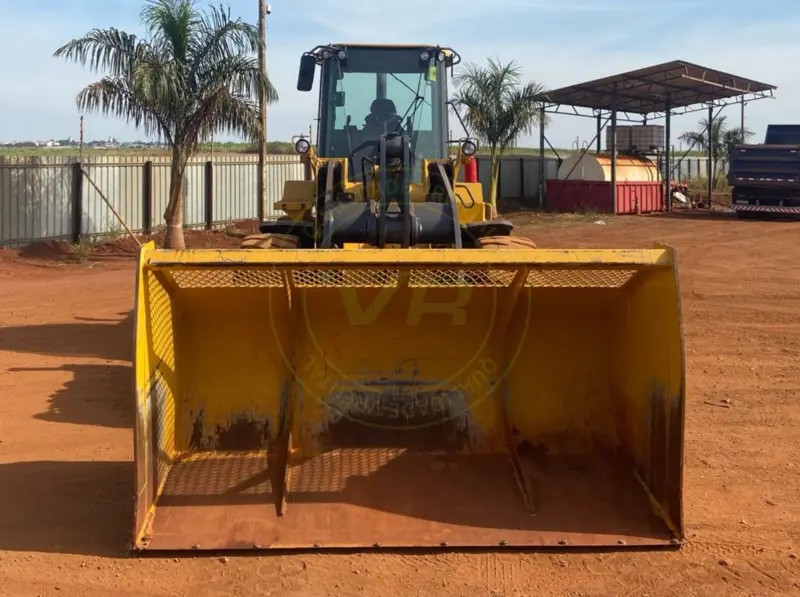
[[80, 508], [94, 338], [99, 395]]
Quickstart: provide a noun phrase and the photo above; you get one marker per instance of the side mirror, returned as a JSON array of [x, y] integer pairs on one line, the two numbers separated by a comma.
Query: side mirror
[[308, 68], [338, 99]]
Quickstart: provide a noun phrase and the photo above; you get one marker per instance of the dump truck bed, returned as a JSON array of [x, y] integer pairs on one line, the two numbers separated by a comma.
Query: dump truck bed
[[766, 178], [300, 399]]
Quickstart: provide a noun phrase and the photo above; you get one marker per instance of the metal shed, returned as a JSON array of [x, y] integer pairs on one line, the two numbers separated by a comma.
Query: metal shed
[[646, 94]]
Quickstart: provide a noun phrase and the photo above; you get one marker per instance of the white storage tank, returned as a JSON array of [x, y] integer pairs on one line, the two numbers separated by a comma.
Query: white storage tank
[[592, 166]]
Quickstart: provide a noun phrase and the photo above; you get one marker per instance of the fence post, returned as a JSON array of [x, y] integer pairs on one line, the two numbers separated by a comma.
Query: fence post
[[209, 174], [77, 201], [147, 197]]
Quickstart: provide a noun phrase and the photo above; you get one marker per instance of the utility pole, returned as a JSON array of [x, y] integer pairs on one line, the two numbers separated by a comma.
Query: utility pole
[[81, 139], [263, 10]]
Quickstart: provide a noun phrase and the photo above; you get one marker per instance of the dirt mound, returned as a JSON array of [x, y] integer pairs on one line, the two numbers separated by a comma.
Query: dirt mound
[[59, 253]]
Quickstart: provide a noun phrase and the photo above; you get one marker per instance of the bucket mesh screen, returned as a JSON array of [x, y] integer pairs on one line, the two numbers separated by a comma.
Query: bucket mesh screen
[[456, 277], [355, 277], [360, 277], [160, 391], [228, 278], [579, 278]]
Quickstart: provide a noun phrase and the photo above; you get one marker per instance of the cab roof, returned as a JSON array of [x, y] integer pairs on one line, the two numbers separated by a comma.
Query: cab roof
[[376, 45]]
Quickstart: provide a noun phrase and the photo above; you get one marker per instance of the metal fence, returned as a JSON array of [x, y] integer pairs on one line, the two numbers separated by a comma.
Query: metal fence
[[55, 197], [519, 176], [47, 197]]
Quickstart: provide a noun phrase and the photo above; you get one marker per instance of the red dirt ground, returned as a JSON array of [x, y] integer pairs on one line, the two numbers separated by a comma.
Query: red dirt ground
[[65, 437]]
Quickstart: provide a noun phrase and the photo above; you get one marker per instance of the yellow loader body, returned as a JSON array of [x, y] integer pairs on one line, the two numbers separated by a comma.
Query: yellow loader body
[[411, 397]]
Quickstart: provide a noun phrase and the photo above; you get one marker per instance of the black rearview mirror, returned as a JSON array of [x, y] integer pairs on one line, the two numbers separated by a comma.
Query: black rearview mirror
[[308, 68]]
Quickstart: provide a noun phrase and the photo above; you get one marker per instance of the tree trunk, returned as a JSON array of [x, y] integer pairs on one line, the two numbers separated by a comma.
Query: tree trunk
[[495, 169], [173, 216]]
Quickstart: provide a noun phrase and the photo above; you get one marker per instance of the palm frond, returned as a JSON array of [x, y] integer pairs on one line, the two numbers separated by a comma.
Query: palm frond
[[233, 77], [233, 114], [109, 50], [113, 96], [219, 36], [497, 110], [170, 25]]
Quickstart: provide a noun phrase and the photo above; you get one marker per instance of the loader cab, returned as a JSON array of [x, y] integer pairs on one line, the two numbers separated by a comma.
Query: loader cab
[[367, 91]]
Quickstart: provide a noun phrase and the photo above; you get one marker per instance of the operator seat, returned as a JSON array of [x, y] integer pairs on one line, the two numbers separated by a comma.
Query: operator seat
[[382, 116]]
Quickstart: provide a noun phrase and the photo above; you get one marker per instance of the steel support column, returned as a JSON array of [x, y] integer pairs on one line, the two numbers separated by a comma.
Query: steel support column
[[667, 165], [741, 129], [613, 149], [542, 172], [599, 130], [710, 165]]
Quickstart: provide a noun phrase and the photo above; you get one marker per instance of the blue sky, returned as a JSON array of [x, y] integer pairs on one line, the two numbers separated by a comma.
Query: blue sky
[[556, 42]]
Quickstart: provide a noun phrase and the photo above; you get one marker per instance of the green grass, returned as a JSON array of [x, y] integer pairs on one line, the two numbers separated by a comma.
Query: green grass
[[273, 148]]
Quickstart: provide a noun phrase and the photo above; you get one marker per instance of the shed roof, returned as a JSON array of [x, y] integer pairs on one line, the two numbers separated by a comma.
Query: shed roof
[[676, 84]]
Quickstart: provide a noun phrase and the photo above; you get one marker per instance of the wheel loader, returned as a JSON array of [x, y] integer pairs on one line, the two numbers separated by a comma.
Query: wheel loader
[[388, 365]]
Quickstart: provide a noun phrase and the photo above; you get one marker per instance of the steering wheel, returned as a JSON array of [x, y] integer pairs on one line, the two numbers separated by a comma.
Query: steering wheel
[[369, 143], [376, 144], [382, 121]]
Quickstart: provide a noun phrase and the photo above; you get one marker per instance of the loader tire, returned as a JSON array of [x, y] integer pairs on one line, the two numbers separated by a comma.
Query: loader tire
[[506, 242], [270, 241]]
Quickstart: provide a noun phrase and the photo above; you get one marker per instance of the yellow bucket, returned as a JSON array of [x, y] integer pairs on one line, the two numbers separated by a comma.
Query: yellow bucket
[[408, 398]]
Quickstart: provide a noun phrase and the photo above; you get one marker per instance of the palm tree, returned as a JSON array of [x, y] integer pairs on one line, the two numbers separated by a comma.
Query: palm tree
[[498, 109], [192, 74], [723, 139]]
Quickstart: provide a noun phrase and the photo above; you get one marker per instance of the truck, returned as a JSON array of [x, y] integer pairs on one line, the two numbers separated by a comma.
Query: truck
[[766, 177]]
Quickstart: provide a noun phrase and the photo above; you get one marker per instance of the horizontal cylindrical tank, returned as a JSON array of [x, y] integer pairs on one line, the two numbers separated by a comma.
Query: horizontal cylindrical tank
[[591, 166]]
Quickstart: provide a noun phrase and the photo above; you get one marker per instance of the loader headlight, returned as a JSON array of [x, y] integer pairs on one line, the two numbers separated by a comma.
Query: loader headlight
[[468, 148], [441, 57], [425, 56], [302, 146]]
